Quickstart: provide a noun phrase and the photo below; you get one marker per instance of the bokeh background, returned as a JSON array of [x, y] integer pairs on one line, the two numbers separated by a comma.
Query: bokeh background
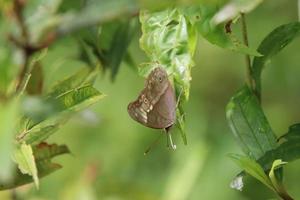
[[107, 160]]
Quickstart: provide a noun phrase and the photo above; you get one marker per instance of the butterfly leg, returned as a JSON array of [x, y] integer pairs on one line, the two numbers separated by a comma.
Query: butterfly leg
[[170, 143]]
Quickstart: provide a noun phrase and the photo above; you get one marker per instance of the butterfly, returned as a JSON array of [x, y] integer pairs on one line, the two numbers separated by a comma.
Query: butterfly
[[155, 106]]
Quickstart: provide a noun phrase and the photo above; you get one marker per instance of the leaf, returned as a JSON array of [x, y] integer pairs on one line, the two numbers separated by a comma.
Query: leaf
[[249, 124], [78, 98], [215, 33], [35, 84], [252, 168], [37, 134], [8, 121], [76, 80], [44, 19], [96, 12], [233, 8], [108, 44], [287, 151], [272, 44], [276, 164], [44, 169], [43, 154], [292, 134], [118, 48], [23, 156]]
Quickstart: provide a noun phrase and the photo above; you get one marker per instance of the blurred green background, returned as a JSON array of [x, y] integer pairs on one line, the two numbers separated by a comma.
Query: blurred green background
[[107, 160]]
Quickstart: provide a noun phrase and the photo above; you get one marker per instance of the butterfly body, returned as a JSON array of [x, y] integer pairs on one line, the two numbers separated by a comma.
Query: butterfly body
[[155, 107]]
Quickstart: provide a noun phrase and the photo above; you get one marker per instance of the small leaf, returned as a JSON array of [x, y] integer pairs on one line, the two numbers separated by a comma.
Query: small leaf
[[276, 164], [8, 121], [272, 44], [252, 168], [249, 124], [23, 156]]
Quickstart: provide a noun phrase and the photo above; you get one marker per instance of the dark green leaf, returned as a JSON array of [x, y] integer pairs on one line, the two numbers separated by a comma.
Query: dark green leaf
[[293, 133], [273, 43], [44, 151], [35, 84], [249, 124]]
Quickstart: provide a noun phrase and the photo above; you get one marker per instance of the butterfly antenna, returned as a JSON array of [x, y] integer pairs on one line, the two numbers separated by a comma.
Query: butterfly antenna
[[152, 145]]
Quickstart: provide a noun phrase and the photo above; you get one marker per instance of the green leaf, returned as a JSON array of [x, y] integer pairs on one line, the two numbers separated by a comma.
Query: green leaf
[[96, 12], [37, 134], [44, 169], [35, 84], [76, 80], [78, 98], [276, 165], [287, 151], [233, 8], [249, 124], [216, 34], [8, 122], [252, 168], [44, 19], [43, 153], [23, 156], [273, 43], [292, 134]]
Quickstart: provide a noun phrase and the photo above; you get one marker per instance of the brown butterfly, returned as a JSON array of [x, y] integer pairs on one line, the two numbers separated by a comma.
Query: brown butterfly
[[155, 107]]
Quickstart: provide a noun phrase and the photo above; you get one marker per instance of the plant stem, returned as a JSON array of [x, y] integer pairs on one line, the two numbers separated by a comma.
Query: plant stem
[[249, 79]]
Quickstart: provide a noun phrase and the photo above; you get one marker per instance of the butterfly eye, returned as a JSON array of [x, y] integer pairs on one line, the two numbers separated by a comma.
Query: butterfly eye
[[145, 101], [160, 79]]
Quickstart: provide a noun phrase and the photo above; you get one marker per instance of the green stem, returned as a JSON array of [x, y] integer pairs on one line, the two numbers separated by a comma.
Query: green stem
[[249, 79]]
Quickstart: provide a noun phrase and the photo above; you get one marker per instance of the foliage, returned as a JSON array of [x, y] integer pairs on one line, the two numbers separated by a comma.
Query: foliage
[[101, 34]]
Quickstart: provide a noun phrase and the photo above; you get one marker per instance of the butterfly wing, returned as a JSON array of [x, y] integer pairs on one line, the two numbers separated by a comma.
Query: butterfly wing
[[161, 115]]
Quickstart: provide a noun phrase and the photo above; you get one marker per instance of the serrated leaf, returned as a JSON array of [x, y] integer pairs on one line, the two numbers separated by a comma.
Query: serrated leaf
[[252, 168], [272, 44], [249, 124], [78, 98], [8, 121], [24, 158], [71, 82]]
